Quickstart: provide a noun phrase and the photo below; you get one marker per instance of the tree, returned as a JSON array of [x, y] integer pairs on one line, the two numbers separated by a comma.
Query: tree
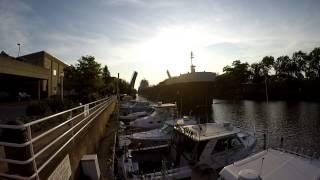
[[106, 75], [267, 63], [256, 72], [313, 66], [84, 78], [299, 60], [238, 72], [282, 66], [143, 84]]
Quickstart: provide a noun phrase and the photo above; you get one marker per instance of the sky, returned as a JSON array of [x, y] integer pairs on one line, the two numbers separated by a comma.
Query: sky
[[153, 36]]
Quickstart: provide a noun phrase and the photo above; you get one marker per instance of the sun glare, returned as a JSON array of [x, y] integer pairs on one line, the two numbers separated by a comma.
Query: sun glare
[[170, 49]]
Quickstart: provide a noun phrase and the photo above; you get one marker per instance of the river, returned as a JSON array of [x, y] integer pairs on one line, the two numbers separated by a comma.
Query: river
[[297, 122]]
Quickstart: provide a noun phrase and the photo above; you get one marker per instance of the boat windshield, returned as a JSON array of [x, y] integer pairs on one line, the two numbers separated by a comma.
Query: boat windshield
[[190, 149]]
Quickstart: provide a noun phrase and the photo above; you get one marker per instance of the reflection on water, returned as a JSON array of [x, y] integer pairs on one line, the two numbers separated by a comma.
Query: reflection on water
[[297, 122]]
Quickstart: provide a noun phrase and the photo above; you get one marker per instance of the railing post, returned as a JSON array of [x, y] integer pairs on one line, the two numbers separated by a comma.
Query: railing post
[[35, 169], [17, 153], [71, 123]]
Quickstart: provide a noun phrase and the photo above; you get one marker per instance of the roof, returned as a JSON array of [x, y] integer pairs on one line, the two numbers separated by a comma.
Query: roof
[[276, 165], [44, 53], [208, 131]]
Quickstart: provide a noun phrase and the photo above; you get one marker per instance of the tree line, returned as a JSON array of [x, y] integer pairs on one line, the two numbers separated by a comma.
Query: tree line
[[295, 77], [87, 80]]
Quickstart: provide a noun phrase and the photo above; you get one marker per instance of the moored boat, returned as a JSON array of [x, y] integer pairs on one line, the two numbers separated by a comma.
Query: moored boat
[[273, 164], [162, 113], [212, 144], [164, 133]]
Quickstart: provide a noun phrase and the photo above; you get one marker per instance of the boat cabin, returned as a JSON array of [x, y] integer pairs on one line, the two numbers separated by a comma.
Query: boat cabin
[[214, 144]]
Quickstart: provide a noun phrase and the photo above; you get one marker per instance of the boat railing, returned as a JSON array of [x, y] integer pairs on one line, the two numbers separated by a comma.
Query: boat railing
[[300, 152], [45, 138]]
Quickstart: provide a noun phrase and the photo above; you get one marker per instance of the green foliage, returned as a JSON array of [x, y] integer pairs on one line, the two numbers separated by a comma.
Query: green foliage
[[38, 109], [106, 75], [87, 81], [49, 106], [237, 73], [313, 65], [287, 77]]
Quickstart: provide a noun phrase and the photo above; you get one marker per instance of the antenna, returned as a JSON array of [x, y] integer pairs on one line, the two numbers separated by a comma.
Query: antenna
[[191, 57], [192, 66]]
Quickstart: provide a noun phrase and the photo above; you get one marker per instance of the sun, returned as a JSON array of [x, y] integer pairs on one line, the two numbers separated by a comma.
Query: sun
[[170, 49]]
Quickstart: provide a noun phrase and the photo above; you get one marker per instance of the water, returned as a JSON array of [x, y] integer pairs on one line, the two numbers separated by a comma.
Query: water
[[297, 122]]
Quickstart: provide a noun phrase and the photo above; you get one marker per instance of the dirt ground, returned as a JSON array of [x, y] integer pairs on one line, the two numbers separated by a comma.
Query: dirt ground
[[106, 149]]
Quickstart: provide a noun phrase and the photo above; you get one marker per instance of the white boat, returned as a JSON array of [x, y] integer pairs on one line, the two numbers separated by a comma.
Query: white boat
[[164, 133], [162, 113], [273, 164], [135, 115], [211, 144], [134, 106]]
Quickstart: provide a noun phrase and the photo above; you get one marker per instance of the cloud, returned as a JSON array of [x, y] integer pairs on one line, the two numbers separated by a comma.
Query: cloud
[[124, 33], [12, 26]]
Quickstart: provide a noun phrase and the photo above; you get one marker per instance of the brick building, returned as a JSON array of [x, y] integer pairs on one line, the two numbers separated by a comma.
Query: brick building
[[39, 74]]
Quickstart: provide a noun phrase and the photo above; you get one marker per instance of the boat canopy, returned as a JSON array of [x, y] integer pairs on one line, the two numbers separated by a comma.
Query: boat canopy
[[207, 131], [275, 164]]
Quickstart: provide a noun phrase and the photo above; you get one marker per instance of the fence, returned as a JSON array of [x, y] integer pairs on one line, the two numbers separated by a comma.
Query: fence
[[39, 142]]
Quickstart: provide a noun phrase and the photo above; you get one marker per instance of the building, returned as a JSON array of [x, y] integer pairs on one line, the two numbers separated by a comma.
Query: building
[[39, 75]]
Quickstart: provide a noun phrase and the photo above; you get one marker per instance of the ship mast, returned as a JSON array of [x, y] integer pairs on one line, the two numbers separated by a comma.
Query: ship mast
[[193, 68]]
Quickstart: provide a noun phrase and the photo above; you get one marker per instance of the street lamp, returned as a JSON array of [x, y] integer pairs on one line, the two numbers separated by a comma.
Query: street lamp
[[18, 49]]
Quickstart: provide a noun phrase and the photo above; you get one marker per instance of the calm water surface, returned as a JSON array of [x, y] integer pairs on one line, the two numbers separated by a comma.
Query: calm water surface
[[297, 122]]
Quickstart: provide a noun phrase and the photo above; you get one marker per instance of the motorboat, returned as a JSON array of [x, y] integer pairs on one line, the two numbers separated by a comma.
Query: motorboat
[[135, 115], [212, 144], [132, 106], [162, 113], [164, 133], [273, 164]]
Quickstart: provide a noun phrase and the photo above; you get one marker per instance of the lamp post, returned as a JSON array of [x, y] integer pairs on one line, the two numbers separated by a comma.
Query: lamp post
[[18, 49], [61, 85]]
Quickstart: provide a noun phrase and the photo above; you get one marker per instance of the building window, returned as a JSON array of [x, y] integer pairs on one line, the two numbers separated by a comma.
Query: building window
[[54, 72]]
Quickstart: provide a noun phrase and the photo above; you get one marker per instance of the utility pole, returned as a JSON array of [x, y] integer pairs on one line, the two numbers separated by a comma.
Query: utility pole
[[266, 86], [18, 49]]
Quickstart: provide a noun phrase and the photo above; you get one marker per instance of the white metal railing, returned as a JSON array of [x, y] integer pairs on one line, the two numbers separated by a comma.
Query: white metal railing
[[86, 114]]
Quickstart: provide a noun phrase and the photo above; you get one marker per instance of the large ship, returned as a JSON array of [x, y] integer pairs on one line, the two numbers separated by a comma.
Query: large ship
[[191, 91]]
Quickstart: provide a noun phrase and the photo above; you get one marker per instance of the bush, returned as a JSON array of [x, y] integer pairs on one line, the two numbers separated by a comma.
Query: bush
[[39, 108]]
